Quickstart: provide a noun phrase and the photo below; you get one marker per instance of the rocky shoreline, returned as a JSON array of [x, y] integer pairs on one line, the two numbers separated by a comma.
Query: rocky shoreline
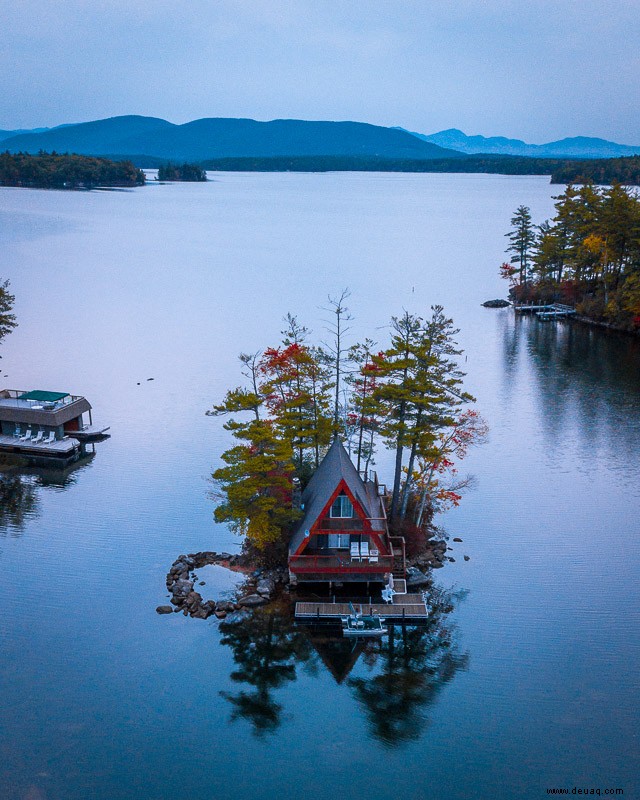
[[260, 587], [264, 585]]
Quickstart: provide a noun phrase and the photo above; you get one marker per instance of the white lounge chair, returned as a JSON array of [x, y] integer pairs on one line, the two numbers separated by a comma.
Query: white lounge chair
[[373, 556], [38, 437], [26, 436], [18, 432], [355, 551], [364, 550], [50, 438]]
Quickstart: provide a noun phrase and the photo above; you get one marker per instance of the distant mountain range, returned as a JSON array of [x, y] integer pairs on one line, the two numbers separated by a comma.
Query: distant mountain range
[[226, 138], [8, 134], [576, 147], [153, 140]]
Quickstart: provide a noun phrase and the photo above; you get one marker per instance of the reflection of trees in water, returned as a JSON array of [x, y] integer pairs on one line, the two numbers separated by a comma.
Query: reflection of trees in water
[[406, 670], [266, 648], [411, 666], [583, 374], [18, 502], [19, 491]]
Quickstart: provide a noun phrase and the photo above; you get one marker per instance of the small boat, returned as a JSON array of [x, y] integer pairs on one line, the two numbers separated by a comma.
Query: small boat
[[358, 624]]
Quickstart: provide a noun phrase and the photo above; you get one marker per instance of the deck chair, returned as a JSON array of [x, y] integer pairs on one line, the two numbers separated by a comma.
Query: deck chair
[[355, 551], [26, 436], [364, 550], [38, 437], [373, 556], [50, 438], [18, 432]]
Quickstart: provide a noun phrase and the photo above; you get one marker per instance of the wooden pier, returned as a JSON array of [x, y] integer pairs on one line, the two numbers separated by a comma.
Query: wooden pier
[[404, 608], [548, 311]]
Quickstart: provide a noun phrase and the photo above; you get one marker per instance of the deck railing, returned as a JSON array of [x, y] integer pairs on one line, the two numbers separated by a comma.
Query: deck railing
[[16, 394], [338, 564]]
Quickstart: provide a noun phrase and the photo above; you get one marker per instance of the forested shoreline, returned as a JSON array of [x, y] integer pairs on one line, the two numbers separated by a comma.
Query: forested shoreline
[[55, 171], [602, 171], [587, 255]]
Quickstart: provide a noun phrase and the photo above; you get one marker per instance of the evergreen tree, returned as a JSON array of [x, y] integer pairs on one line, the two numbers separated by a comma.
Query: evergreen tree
[[7, 317], [522, 239]]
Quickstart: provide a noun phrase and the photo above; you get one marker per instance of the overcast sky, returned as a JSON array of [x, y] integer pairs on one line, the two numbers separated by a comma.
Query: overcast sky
[[537, 70]]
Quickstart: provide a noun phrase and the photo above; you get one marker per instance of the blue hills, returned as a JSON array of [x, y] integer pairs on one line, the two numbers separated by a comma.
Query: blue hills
[[226, 138], [580, 147]]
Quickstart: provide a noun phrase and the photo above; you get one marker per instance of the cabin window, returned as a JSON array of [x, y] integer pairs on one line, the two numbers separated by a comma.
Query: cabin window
[[342, 507], [339, 541]]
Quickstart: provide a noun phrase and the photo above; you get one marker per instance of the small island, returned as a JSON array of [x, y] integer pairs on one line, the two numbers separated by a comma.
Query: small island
[[298, 485], [55, 171], [181, 172]]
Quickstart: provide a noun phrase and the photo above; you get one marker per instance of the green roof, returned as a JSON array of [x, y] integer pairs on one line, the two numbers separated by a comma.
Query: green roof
[[44, 397]]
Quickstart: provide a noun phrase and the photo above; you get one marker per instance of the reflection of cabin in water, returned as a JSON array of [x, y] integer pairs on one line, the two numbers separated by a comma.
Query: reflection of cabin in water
[[343, 536], [41, 425]]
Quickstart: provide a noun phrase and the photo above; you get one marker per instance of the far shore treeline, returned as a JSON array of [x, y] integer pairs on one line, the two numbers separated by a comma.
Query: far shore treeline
[[55, 171], [70, 171], [625, 170]]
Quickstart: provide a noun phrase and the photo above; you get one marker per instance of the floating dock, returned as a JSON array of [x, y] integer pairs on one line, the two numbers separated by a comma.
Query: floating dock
[[548, 311], [404, 608]]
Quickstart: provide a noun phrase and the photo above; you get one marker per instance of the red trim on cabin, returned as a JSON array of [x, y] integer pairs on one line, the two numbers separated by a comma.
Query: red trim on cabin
[[361, 514]]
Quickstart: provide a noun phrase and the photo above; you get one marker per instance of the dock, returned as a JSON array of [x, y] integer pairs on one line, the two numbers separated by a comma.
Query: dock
[[404, 608], [66, 449], [546, 311]]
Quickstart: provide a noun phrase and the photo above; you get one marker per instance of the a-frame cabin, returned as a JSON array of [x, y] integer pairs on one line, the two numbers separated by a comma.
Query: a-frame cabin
[[343, 535]]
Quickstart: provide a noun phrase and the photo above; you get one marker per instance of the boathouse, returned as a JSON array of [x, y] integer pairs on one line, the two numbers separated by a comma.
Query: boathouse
[[343, 535], [39, 424]]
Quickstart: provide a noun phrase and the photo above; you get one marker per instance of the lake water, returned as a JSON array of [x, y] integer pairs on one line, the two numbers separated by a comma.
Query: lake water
[[531, 682]]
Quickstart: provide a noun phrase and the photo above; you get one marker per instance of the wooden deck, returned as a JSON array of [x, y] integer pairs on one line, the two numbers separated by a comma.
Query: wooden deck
[[404, 607], [62, 447], [548, 311]]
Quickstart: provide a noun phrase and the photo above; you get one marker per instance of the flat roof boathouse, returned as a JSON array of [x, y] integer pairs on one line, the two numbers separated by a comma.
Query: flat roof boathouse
[[42, 425]]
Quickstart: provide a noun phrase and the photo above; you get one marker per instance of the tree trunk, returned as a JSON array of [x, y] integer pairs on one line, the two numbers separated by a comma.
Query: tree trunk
[[398, 468]]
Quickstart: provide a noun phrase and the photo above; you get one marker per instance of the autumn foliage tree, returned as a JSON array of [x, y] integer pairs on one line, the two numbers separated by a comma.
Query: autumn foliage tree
[[408, 395], [587, 255]]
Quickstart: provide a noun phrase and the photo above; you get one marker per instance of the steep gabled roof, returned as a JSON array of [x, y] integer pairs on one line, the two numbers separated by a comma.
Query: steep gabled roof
[[334, 467]]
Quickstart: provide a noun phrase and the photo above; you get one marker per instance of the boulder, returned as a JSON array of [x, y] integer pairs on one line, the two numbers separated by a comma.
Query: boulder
[[201, 613], [182, 587], [466, 558], [266, 587], [164, 610], [252, 600], [496, 303], [194, 599], [457, 539], [415, 578]]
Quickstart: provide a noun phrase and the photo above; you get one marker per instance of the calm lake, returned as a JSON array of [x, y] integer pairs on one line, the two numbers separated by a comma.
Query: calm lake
[[530, 682]]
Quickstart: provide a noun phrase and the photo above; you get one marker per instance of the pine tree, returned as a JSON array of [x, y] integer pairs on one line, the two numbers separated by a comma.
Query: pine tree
[[522, 240], [7, 318]]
